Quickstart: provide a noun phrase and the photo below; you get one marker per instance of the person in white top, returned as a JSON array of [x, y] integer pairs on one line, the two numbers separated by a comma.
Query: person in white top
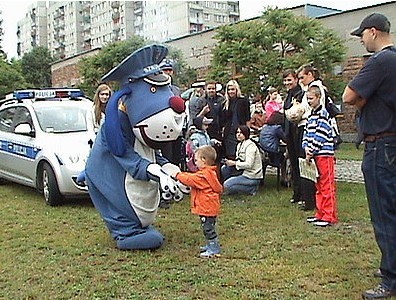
[[243, 175]]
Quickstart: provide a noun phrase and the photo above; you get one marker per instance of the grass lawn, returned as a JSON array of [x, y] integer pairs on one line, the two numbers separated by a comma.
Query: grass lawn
[[269, 251], [349, 151]]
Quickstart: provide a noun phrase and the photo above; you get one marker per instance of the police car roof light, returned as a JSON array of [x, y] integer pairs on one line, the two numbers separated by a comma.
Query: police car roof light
[[26, 94], [48, 94]]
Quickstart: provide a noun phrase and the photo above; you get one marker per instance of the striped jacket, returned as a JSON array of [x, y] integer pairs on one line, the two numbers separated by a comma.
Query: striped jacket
[[318, 133]]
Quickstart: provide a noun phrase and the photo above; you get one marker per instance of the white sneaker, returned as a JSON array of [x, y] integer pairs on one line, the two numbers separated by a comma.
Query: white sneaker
[[321, 223], [312, 219]]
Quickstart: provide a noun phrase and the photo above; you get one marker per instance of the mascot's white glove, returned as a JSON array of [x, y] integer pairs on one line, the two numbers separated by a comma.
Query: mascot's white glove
[[182, 189], [167, 184]]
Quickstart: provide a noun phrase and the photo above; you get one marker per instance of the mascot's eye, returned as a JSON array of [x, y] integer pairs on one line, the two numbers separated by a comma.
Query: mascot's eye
[[153, 89]]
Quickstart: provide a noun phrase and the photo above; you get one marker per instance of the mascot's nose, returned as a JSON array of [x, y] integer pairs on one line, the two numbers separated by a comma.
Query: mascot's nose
[[177, 104]]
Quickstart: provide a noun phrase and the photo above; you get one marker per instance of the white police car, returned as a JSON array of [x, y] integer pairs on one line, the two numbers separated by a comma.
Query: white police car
[[45, 138]]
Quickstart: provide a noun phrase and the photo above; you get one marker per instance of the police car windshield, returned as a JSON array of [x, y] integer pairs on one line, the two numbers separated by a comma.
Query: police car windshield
[[62, 119]]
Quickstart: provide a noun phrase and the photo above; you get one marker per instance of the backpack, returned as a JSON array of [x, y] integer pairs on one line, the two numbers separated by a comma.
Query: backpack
[[190, 157], [331, 108]]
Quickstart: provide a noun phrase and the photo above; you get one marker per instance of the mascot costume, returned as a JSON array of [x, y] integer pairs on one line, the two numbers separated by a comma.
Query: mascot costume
[[124, 172]]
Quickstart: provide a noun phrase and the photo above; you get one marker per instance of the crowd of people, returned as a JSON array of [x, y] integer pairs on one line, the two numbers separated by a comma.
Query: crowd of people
[[229, 122]]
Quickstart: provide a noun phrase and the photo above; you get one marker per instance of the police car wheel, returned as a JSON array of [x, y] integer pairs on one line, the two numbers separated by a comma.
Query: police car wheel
[[51, 193]]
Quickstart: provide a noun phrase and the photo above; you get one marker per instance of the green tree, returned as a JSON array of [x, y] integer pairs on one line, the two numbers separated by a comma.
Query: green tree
[[272, 43], [10, 77], [2, 53], [36, 67], [94, 67]]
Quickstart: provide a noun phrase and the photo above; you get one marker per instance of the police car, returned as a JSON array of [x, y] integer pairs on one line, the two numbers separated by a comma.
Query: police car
[[45, 138]]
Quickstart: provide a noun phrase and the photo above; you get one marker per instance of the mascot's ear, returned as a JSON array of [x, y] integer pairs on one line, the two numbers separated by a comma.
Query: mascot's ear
[[114, 137]]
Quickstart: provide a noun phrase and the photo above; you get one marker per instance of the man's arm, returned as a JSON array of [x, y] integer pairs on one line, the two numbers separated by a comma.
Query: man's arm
[[350, 97]]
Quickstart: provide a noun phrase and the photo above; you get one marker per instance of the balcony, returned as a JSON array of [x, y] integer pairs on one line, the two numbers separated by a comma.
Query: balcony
[[87, 38], [195, 20], [115, 16], [60, 46], [59, 14], [59, 35], [195, 5], [86, 19], [115, 4], [195, 28], [59, 25]]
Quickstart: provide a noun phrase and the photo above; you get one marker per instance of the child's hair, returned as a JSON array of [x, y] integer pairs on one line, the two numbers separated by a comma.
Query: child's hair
[[245, 130], [208, 153], [277, 118], [315, 90]]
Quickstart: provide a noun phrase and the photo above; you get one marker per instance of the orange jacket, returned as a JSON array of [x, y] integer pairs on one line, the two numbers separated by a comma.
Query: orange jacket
[[205, 191]]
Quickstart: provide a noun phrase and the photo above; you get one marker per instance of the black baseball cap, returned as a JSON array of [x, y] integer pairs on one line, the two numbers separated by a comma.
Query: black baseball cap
[[376, 20]]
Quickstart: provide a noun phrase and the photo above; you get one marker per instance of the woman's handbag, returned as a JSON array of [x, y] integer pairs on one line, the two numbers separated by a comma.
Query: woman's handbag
[[295, 112]]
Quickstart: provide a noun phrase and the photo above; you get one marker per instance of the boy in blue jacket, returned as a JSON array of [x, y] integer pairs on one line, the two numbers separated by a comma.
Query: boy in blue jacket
[[318, 144]]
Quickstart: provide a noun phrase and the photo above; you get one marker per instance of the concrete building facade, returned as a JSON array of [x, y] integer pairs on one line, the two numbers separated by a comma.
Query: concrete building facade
[[32, 29], [68, 28], [164, 20]]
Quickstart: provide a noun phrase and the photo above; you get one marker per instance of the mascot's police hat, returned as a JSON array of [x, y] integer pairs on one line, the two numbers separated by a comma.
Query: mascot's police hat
[[143, 63]]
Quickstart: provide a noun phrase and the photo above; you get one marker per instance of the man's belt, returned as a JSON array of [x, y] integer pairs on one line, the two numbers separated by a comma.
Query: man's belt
[[373, 137]]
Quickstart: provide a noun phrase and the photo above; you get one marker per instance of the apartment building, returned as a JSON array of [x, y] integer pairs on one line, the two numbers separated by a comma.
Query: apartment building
[[32, 29], [68, 28], [164, 20]]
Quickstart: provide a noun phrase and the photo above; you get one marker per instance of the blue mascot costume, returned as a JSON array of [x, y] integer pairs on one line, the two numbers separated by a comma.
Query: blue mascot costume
[[124, 172]]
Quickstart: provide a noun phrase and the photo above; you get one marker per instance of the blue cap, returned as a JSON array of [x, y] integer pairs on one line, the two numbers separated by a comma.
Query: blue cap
[[166, 64], [141, 63]]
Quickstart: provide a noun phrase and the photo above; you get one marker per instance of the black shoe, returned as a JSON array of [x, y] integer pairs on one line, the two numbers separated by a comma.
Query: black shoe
[[292, 200], [378, 274], [285, 183], [379, 292], [306, 208]]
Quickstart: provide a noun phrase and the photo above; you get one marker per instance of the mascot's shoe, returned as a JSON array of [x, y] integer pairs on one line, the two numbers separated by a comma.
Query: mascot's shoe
[[213, 250]]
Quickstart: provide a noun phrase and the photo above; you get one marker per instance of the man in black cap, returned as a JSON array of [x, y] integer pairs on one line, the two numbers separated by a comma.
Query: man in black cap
[[373, 92]]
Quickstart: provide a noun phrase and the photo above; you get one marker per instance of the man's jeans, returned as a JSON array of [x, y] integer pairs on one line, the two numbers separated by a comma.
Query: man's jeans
[[379, 169]]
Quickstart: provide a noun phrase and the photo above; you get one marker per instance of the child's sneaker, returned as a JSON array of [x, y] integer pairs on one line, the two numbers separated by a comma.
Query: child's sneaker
[[203, 248], [213, 250]]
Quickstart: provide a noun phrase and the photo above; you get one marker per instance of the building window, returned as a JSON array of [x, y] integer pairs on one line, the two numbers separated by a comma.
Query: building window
[[220, 19]]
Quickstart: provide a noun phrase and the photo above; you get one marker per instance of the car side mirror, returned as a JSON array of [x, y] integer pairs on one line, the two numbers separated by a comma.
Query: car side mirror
[[24, 129]]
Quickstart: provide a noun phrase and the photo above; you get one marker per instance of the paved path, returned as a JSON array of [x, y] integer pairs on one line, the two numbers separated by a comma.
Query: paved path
[[349, 171], [346, 170]]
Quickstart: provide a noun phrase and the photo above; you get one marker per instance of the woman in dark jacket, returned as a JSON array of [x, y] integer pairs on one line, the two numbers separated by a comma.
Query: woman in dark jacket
[[237, 112]]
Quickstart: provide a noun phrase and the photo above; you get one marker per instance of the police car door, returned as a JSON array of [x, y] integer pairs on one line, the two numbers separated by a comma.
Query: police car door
[[23, 147], [6, 117]]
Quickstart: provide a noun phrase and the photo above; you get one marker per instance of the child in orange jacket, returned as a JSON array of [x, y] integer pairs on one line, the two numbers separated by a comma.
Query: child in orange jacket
[[205, 196]]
